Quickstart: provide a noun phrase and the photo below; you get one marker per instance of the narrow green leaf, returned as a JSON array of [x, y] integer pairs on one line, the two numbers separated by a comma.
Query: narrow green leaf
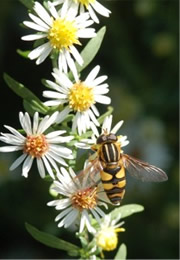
[[108, 113], [28, 3], [126, 210], [32, 106], [52, 241], [90, 50], [24, 54], [26, 94], [122, 253]]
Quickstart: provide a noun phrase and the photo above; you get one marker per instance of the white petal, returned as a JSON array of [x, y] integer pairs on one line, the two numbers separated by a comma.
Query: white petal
[[17, 162], [40, 167], [70, 218], [86, 33], [92, 75], [27, 166], [76, 55], [39, 50], [38, 21], [92, 14], [35, 122], [53, 94], [44, 54], [15, 132], [101, 9], [117, 127], [7, 149], [48, 167], [42, 13], [52, 10], [71, 65], [55, 134], [62, 115], [63, 213], [103, 99], [34, 26], [33, 37], [107, 124], [99, 80]]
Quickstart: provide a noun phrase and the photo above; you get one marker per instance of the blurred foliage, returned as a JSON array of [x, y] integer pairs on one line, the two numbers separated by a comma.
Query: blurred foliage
[[140, 55]]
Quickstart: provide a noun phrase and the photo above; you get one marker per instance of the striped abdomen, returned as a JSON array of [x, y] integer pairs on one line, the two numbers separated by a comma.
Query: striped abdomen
[[114, 182], [113, 174]]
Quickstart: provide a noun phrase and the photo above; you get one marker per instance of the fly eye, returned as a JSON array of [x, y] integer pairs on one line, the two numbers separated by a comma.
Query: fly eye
[[101, 139]]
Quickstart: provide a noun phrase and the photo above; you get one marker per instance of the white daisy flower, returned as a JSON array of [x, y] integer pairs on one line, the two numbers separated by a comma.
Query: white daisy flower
[[106, 237], [80, 98], [106, 128], [62, 31], [44, 147], [80, 199], [91, 6]]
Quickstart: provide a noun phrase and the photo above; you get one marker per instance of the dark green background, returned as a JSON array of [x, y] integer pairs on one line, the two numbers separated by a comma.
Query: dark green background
[[140, 56]]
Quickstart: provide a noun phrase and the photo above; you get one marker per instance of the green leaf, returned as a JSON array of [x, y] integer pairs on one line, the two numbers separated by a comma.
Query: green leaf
[[108, 113], [24, 54], [52, 241], [90, 50], [122, 253], [28, 3], [32, 106], [126, 210], [25, 93]]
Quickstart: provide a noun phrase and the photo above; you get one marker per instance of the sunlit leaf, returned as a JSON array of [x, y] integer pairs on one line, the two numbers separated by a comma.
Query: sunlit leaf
[[52, 241], [126, 210], [122, 253]]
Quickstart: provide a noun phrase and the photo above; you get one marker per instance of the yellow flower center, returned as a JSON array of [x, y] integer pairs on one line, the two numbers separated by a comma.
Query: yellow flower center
[[81, 97], [36, 145], [107, 238], [84, 2], [63, 34], [85, 199]]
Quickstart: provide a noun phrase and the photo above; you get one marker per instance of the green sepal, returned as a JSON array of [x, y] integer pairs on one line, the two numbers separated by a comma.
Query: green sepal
[[34, 103], [122, 253], [24, 54], [126, 211], [52, 241], [28, 3]]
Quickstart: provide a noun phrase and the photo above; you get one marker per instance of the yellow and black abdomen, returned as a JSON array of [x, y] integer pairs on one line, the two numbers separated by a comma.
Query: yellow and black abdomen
[[114, 182], [113, 173]]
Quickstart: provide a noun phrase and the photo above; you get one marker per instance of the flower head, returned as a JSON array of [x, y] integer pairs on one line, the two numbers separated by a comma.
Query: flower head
[[91, 6], [62, 31], [105, 129], [80, 97], [106, 237], [37, 145], [79, 199]]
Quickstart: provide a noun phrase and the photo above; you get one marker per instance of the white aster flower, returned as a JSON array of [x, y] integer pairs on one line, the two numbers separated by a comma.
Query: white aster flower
[[44, 148], [62, 31], [91, 6], [80, 98], [106, 128], [80, 199], [106, 237]]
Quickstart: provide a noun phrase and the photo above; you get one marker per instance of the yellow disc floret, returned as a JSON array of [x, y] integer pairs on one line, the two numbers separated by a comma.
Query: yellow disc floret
[[81, 97], [63, 34], [85, 199], [107, 238], [84, 2], [36, 145]]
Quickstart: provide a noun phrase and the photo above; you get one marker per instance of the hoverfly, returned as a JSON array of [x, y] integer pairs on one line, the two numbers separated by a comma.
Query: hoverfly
[[111, 162]]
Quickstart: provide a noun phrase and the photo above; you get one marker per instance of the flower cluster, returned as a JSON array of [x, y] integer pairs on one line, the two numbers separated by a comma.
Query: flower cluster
[[71, 120]]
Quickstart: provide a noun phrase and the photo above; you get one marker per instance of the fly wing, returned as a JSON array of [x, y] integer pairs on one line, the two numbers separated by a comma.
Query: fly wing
[[90, 174], [142, 170]]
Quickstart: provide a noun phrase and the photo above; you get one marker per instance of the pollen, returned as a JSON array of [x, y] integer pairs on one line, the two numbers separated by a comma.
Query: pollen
[[85, 199], [63, 34], [36, 145], [81, 97], [84, 2]]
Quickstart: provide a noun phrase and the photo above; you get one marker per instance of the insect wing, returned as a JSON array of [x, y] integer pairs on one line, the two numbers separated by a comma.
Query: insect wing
[[142, 170], [89, 176]]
